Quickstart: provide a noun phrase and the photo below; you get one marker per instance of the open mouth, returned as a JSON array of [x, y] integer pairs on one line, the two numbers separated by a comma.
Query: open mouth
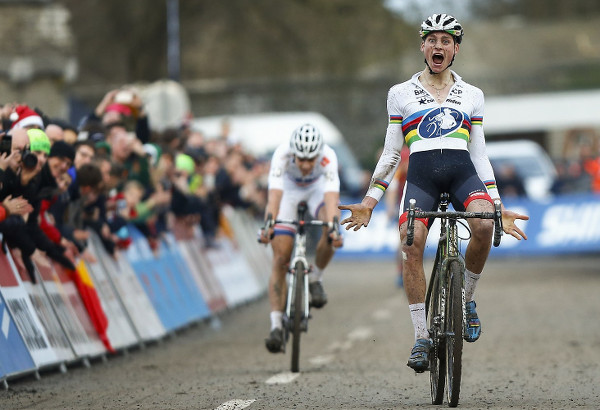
[[437, 58]]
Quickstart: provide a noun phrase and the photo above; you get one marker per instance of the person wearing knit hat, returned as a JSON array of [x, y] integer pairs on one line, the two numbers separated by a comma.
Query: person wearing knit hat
[[25, 117], [39, 145], [61, 158], [184, 169], [185, 163], [63, 150], [38, 141]]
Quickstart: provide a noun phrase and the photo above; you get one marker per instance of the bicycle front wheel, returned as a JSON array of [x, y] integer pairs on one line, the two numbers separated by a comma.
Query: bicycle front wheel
[[437, 369], [454, 340], [298, 313]]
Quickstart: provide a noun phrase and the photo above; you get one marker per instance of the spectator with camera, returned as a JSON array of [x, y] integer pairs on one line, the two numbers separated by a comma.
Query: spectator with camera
[[23, 177], [8, 158]]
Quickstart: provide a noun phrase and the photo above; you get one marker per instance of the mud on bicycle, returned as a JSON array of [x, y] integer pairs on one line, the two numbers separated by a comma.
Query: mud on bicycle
[[445, 303], [298, 303]]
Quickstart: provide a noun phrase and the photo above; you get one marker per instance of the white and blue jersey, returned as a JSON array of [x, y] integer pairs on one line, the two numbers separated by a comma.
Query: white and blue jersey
[[286, 176], [417, 119]]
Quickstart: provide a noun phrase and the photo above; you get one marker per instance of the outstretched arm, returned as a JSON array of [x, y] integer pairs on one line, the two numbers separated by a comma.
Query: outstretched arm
[[509, 226], [361, 213]]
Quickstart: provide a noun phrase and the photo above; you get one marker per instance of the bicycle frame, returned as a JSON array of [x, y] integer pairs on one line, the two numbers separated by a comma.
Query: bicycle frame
[[446, 324], [447, 252], [299, 256], [297, 310]]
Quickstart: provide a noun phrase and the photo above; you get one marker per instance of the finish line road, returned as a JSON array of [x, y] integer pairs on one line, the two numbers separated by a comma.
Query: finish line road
[[540, 348]]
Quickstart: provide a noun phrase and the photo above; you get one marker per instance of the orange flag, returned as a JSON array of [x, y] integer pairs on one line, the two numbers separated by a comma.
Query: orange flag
[[91, 301]]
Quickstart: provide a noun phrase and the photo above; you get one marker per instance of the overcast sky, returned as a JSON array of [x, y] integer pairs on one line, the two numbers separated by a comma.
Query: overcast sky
[[418, 10]]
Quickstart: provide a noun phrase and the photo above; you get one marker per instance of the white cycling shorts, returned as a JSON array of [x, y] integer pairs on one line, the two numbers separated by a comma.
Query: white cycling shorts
[[292, 196]]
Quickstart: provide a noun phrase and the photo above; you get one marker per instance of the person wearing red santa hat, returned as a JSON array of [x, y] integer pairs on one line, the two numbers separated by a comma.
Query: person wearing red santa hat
[[25, 117]]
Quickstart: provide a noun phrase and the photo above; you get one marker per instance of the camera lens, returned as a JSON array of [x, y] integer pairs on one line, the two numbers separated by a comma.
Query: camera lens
[[29, 160]]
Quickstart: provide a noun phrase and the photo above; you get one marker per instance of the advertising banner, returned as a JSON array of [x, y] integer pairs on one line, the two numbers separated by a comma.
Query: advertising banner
[[233, 273], [135, 301], [171, 254], [93, 345], [155, 282], [62, 306], [119, 331], [192, 251], [14, 356], [258, 256], [560, 225], [25, 317], [44, 310]]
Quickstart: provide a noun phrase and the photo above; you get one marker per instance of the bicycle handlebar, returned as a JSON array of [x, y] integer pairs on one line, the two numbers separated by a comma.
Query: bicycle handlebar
[[331, 225], [334, 226], [413, 213], [498, 228]]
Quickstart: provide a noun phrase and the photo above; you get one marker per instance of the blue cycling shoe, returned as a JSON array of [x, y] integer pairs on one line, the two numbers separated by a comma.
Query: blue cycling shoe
[[419, 355], [473, 328]]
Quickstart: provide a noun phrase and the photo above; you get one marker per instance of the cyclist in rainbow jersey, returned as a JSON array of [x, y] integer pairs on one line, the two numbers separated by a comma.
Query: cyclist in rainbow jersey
[[440, 117]]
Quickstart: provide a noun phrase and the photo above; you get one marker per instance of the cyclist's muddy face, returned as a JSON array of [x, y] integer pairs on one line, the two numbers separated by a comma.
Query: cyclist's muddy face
[[305, 165], [439, 49]]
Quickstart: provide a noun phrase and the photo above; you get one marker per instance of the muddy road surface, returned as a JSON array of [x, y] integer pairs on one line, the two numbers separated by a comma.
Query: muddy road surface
[[540, 348]]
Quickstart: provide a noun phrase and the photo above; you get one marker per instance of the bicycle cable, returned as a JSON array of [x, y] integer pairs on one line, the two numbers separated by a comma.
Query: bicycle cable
[[466, 226]]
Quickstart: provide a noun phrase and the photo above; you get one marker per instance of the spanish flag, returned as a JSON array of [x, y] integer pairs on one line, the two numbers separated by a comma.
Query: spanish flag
[[92, 303]]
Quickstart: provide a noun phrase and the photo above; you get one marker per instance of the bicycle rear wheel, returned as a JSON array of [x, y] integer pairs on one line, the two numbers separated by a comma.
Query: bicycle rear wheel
[[437, 357], [454, 329], [298, 313]]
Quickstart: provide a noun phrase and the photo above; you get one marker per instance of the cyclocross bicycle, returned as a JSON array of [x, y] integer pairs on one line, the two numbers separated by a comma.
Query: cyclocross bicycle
[[297, 310], [445, 300]]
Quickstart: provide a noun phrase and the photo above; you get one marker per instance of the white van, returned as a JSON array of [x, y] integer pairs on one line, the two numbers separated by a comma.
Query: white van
[[529, 160], [260, 134]]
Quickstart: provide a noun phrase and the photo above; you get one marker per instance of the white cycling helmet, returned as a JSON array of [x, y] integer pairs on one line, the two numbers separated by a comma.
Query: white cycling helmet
[[442, 22], [306, 142]]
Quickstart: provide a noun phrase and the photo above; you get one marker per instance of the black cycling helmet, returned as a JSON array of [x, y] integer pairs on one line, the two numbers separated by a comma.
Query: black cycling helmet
[[442, 22]]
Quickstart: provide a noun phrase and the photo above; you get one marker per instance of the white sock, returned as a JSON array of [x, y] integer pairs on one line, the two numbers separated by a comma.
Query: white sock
[[417, 314], [470, 284], [316, 275], [276, 320]]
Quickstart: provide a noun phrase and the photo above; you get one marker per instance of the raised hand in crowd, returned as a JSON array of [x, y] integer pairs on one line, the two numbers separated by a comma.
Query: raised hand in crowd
[[137, 146], [6, 110], [9, 160], [108, 99], [17, 206], [69, 246], [137, 104]]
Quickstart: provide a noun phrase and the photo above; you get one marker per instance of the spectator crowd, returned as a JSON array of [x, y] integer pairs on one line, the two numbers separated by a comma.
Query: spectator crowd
[[109, 172], [577, 167]]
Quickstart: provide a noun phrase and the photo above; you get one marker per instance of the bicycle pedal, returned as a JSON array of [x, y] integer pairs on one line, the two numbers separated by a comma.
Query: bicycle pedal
[[304, 326]]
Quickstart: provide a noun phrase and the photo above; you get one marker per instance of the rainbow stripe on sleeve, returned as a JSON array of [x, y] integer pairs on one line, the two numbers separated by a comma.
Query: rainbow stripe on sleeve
[[381, 184], [490, 184], [476, 120], [395, 119]]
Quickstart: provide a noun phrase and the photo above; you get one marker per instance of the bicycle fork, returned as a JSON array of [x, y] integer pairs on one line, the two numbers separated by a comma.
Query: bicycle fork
[[290, 309], [300, 251], [442, 319]]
